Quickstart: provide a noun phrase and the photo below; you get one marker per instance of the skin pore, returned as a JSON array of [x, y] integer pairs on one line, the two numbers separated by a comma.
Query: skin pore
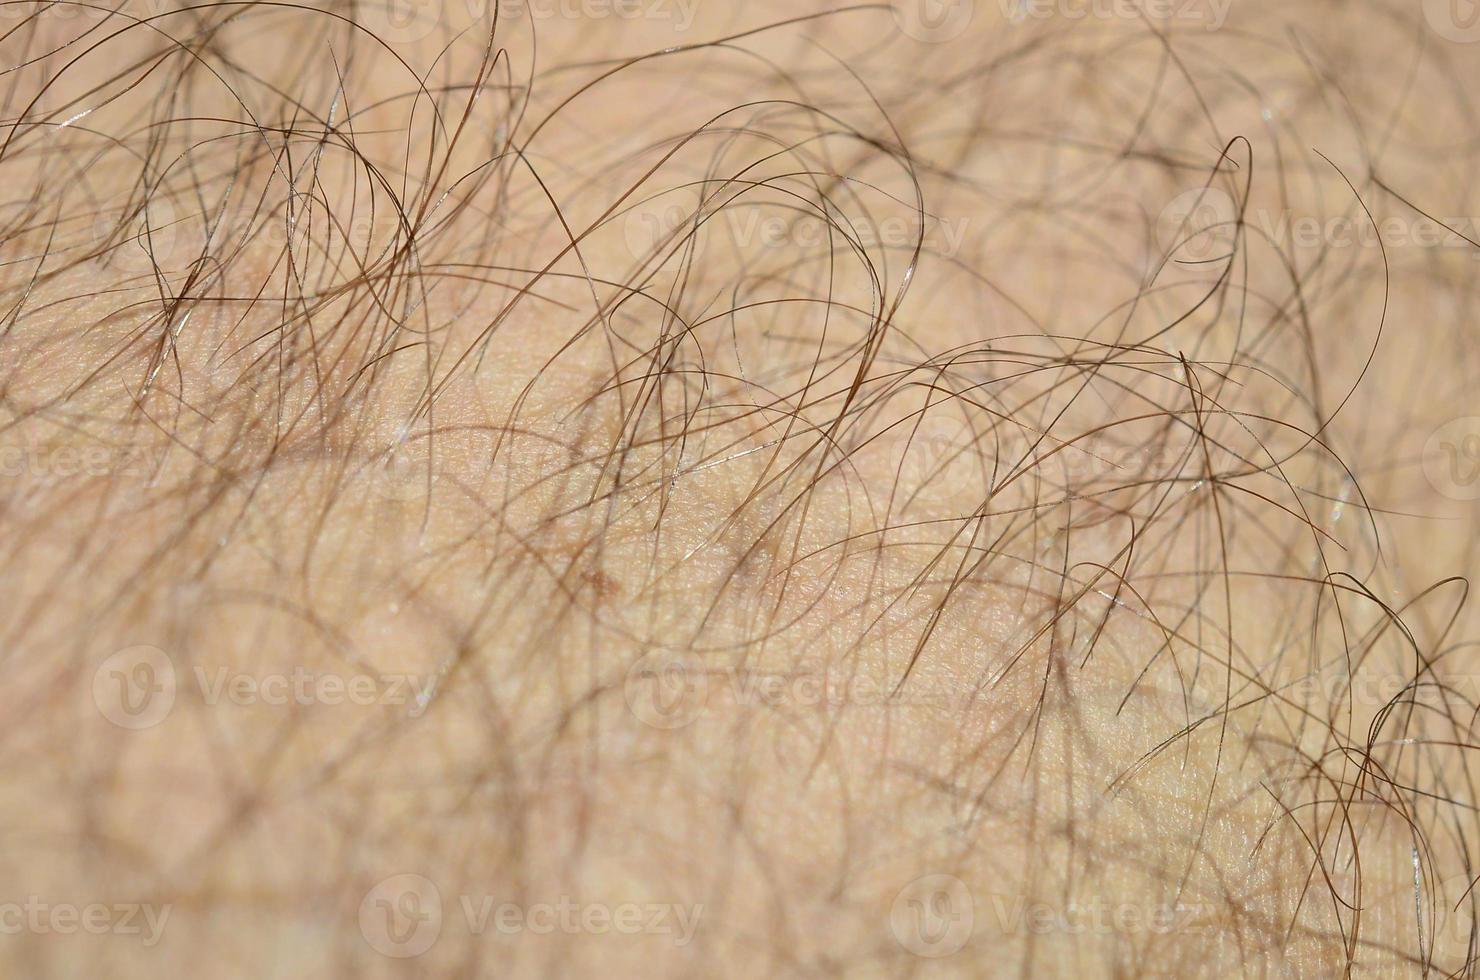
[[661, 490]]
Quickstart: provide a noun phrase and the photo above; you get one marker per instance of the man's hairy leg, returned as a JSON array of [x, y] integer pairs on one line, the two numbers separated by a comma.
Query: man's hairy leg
[[857, 497]]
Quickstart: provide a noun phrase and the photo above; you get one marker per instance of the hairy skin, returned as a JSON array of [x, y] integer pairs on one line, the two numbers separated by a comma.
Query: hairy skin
[[855, 504]]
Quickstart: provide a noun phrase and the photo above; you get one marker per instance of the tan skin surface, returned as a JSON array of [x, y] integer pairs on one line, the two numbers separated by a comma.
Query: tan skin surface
[[835, 498]]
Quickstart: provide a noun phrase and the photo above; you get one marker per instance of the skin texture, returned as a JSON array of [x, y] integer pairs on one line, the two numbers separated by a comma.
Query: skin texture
[[738, 490]]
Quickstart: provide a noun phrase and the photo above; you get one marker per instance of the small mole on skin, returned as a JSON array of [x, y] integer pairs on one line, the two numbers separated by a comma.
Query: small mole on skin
[[605, 585]]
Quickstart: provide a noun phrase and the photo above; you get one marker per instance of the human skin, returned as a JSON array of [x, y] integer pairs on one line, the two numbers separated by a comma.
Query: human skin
[[738, 490]]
